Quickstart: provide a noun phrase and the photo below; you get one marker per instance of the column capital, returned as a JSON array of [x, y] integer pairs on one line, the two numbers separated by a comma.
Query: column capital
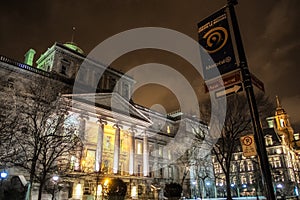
[[132, 130], [101, 121], [117, 126]]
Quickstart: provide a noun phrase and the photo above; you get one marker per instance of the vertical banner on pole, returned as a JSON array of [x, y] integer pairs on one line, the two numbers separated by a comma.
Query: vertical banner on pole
[[214, 37]]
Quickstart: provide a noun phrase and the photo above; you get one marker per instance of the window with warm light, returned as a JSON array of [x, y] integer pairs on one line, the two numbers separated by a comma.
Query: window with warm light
[[282, 124], [243, 179], [249, 165], [242, 166], [168, 129], [139, 147], [169, 155], [268, 140], [160, 151], [277, 162]]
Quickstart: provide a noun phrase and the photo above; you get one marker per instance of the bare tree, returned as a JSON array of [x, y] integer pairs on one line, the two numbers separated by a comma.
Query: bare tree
[[237, 123], [43, 137]]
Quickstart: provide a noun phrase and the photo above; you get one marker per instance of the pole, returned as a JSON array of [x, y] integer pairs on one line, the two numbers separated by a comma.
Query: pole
[[258, 133]]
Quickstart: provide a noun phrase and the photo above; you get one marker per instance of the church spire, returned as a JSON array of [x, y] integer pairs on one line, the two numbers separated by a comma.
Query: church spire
[[279, 109], [278, 104]]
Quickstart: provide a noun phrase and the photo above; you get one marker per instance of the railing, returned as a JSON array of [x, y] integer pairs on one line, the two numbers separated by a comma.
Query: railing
[[34, 70], [23, 66]]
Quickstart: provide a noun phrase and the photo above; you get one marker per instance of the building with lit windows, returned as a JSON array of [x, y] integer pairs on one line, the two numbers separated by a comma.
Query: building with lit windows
[[121, 139], [282, 146]]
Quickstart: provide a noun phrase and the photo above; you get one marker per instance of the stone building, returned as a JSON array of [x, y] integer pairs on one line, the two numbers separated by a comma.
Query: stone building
[[120, 138], [282, 149]]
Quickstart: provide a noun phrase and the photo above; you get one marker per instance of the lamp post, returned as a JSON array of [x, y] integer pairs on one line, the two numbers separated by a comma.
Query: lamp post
[[194, 189], [208, 189], [55, 180], [279, 188], [3, 175]]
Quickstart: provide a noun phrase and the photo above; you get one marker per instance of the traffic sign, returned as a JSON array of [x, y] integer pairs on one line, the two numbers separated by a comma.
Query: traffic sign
[[229, 90], [248, 145], [226, 80]]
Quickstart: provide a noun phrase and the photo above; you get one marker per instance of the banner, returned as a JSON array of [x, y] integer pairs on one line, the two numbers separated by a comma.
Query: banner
[[214, 37]]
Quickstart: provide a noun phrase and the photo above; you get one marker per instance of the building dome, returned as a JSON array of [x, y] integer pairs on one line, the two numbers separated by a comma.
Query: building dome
[[74, 47]]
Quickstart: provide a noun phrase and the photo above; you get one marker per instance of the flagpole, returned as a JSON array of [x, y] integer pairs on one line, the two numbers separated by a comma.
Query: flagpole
[[258, 133]]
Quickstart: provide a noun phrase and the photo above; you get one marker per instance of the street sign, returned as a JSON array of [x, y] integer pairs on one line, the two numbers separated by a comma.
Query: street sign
[[258, 83], [248, 145], [214, 37], [226, 80], [229, 90]]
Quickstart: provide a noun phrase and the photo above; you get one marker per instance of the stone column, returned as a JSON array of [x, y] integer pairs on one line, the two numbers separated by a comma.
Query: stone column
[[145, 155], [116, 150], [131, 152], [82, 124], [155, 164], [99, 149]]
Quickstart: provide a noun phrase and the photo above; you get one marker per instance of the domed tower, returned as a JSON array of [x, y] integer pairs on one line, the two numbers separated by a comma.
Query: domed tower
[[62, 59]]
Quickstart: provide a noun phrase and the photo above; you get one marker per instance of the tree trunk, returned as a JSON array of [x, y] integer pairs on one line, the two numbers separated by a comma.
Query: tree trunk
[[32, 173], [228, 189], [41, 190]]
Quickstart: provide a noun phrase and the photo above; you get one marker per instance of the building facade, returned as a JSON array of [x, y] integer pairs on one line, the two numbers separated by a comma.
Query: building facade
[[282, 149], [120, 138]]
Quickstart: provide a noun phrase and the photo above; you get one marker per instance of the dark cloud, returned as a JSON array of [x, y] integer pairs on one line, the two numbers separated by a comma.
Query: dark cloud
[[270, 31]]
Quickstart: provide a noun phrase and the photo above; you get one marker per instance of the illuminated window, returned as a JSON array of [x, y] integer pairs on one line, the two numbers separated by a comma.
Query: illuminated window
[[277, 162], [233, 168], [236, 157], [160, 151], [270, 123], [250, 166], [169, 155], [296, 136], [168, 129], [243, 180], [278, 150], [242, 166], [139, 147], [89, 163], [170, 172], [251, 178], [268, 140], [282, 124]]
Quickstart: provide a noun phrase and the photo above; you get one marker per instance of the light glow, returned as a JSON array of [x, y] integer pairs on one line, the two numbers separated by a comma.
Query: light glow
[[134, 192]]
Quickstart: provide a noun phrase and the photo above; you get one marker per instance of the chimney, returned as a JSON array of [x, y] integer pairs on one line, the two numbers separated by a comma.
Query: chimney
[[29, 57]]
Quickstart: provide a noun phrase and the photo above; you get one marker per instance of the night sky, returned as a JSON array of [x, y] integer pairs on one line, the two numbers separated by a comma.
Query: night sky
[[270, 32]]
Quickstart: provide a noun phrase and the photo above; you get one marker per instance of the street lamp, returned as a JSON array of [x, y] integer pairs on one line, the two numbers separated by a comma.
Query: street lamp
[[55, 180], [280, 186], [3, 175], [208, 189]]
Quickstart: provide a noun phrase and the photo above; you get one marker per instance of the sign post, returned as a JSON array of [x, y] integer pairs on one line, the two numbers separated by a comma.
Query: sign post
[[218, 35], [248, 145], [258, 134]]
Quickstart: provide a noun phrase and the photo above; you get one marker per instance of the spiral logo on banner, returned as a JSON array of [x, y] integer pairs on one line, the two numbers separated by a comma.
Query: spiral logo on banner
[[154, 73], [215, 39]]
